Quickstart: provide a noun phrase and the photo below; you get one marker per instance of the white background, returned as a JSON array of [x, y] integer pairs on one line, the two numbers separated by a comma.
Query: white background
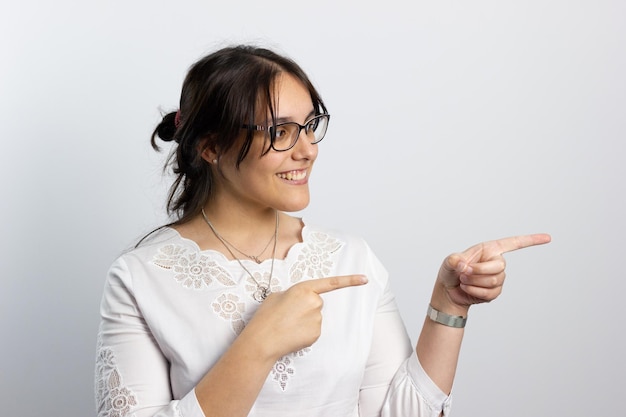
[[452, 122]]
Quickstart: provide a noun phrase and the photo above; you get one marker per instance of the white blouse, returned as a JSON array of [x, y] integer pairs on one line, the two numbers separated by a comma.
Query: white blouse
[[170, 310]]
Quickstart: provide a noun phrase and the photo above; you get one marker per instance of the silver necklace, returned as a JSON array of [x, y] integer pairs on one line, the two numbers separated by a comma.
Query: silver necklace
[[262, 290], [255, 258]]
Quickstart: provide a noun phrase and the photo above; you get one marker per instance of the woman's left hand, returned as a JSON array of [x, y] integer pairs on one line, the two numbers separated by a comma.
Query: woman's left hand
[[477, 274]]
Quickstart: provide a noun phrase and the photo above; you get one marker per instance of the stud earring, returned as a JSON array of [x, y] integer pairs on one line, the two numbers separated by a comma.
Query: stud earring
[[215, 161]]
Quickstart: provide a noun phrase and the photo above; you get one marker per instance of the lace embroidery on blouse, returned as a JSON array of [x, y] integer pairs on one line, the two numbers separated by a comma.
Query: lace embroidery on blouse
[[283, 369], [315, 260], [228, 307], [191, 270], [113, 399]]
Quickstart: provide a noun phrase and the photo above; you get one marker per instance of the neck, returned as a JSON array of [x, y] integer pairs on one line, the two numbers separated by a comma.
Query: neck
[[242, 224], [244, 238]]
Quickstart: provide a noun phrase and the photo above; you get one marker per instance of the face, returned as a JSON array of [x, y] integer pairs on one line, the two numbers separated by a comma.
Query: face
[[275, 179]]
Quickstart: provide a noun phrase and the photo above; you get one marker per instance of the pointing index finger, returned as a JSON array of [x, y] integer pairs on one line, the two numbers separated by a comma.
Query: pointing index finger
[[510, 244], [322, 285]]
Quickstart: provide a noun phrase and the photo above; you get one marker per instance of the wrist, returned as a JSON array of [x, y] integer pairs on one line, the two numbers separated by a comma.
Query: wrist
[[441, 301], [261, 347], [446, 319]]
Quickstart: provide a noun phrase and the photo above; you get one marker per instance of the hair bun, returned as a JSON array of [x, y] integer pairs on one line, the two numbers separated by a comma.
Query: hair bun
[[166, 130]]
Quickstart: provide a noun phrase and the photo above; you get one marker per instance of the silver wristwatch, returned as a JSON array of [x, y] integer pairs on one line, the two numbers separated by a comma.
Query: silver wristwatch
[[446, 319]]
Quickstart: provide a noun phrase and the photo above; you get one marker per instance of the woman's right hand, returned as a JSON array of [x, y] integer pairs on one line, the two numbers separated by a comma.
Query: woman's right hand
[[291, 320]]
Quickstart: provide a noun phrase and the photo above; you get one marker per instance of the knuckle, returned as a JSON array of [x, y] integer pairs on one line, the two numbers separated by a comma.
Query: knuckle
[[312, 301], [298, 290], [334, 282], [317, 303], [493, 294]]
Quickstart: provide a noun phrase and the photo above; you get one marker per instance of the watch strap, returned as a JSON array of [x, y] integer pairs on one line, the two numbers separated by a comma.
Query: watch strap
[[445, 319]]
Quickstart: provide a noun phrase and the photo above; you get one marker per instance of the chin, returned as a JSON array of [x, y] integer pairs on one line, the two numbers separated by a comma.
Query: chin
[[293, 206]]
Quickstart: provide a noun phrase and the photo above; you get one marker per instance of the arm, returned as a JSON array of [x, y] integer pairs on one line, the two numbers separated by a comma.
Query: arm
[[394, 383], [471, 277], [132, 375], [245, 366], [438, 346]]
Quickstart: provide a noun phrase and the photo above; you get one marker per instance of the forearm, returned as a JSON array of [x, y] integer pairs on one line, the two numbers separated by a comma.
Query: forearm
[[232, 385], [438, 346]]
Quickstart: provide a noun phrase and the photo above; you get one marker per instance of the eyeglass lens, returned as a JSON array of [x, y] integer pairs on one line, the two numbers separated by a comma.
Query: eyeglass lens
[[285, 135]]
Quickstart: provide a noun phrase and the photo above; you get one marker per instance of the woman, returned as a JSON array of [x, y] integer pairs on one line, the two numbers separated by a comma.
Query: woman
[[237, 308]]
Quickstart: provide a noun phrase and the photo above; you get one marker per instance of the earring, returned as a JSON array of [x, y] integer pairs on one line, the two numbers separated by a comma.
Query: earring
[[215, 161]]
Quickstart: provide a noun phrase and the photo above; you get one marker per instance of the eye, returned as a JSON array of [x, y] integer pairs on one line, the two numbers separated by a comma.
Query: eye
[[281, 132], [312, 124]]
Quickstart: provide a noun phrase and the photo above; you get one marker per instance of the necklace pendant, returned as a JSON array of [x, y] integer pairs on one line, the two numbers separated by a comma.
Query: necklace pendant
[[261, 293], [255, 259]]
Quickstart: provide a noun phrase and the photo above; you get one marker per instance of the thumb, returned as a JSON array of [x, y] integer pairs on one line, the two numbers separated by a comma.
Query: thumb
[[456, 263]]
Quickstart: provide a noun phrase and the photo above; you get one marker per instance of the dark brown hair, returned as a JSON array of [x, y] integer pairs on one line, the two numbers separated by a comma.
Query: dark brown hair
[[221, 92]]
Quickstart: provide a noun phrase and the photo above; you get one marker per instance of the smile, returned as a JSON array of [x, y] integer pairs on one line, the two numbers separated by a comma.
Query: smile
[[292, 175]]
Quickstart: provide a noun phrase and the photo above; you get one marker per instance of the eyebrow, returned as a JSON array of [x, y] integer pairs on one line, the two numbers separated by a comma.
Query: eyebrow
[[280, 120]]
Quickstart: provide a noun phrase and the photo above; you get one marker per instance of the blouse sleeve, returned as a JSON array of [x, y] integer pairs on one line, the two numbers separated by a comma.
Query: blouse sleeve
[[395, 384], [132, 375]]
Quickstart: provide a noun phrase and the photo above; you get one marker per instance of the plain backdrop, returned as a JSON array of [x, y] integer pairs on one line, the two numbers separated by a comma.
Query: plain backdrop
[[453, 122]]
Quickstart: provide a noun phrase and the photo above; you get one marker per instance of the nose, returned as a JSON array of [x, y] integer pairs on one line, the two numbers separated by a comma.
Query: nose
[[304, 148]]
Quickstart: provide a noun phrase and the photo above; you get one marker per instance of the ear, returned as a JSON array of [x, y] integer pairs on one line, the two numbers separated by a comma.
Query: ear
[[208, 151]]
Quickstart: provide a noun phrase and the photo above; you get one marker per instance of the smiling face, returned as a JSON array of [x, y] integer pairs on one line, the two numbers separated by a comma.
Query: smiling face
[[274, 179]]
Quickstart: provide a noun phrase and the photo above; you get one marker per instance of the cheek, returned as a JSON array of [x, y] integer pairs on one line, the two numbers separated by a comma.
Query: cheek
[[255, 170], [272, 161]]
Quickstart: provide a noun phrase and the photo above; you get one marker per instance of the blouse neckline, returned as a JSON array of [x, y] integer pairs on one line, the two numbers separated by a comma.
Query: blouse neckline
[[290, 253]]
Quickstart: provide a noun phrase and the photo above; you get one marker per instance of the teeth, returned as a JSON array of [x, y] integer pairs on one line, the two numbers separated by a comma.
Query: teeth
[[292, 175]]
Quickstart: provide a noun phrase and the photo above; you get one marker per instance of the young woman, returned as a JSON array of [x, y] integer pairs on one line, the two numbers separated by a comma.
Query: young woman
[[239, 309]]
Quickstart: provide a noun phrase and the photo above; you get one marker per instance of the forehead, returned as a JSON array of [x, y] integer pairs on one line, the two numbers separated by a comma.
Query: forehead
[[291, 99]]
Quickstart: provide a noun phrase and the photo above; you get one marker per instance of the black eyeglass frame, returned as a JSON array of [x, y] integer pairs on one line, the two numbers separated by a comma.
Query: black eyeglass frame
[[272, 130]]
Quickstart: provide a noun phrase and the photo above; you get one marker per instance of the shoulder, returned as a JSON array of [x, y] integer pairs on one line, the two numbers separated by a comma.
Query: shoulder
[[152, 242], [159, 248], [315, 233]]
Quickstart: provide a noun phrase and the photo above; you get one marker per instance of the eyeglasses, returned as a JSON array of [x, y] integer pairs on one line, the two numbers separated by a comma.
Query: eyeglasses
[[284, 136]]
